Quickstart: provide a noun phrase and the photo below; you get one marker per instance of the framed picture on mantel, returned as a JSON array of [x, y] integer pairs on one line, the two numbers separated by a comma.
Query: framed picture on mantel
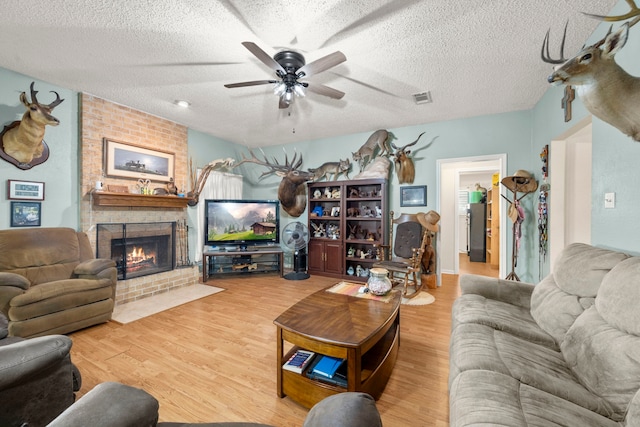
[[122, 160]]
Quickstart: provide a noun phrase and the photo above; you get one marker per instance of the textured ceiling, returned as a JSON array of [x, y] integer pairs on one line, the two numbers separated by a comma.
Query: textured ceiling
[[475, 57]]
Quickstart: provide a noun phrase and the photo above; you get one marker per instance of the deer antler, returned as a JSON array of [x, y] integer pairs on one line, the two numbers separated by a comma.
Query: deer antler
[[408, 145], [633, 13], [273, 165]]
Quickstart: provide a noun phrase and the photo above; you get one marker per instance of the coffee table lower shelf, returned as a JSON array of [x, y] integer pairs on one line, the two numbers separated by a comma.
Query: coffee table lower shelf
[[370, 361]]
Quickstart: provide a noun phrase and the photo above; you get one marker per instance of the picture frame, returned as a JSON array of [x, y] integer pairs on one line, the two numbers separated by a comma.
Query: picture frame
[[123, 160], [25, 190], [415, 195], [25, 214]]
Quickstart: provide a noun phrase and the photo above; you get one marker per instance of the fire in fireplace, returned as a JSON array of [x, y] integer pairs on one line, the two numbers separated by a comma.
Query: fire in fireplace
[[139, 249]]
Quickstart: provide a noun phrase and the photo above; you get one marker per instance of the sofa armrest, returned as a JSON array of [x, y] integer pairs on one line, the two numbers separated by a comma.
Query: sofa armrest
[[349, 409], [21, 360], [508, 291], [93, 267], [111, 404], [16, 280]]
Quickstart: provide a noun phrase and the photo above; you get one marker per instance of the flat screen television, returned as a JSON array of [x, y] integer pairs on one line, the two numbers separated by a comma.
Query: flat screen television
[[241, 222]]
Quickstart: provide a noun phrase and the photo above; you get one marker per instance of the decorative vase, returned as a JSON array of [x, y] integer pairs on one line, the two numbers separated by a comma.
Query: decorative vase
[[350, 270], [379, 283]]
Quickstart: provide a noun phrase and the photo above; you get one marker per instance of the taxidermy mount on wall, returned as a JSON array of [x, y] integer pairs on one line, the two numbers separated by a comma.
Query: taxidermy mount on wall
[[405, 169], [607, 91], [22, 140], [366, 153], [335, 168], [292, 191]]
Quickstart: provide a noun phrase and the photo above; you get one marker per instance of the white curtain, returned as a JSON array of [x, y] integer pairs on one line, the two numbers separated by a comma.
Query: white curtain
[[219, 185]]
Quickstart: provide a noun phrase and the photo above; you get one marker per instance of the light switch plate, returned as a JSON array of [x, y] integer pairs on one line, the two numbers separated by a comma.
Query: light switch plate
[[609, 200]]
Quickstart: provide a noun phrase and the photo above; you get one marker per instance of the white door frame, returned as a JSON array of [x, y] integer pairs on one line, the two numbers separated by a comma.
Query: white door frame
[[561, 171], [466, 166]]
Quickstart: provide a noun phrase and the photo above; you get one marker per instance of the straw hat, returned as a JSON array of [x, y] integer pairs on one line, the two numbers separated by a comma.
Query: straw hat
[[521, 181], [429, 220]]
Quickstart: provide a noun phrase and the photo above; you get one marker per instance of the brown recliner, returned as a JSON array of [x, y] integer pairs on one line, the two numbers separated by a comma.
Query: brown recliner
[[51, 283]]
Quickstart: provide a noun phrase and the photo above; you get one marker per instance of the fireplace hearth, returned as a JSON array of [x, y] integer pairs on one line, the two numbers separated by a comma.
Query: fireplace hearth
[[139, 249]]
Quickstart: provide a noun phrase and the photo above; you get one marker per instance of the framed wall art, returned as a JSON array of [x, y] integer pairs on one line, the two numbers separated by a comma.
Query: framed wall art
[[25, 214], [25, 190], [415, 195], [123, 160]]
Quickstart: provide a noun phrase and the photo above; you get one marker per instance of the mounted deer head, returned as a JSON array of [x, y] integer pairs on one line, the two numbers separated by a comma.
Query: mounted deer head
[[405, 168], [606, 90], [24, 142], [292, 191]]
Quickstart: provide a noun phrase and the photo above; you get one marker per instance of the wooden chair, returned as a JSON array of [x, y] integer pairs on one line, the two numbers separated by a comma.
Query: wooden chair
[[403, 259]]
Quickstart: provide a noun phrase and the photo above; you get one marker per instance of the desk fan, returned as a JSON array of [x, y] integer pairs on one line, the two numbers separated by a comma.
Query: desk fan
[[295, 238]]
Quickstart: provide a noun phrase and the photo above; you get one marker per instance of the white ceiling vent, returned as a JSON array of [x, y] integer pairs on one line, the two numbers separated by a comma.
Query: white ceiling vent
[[422, 98]]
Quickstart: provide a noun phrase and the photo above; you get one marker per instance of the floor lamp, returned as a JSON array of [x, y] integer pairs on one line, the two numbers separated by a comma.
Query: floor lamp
[[524, 183]]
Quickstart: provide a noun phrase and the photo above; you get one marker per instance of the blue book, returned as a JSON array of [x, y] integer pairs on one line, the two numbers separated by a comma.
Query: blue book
[[327, 366]]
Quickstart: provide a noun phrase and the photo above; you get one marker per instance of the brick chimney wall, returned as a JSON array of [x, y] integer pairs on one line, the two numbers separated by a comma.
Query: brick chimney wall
[[103, 119]]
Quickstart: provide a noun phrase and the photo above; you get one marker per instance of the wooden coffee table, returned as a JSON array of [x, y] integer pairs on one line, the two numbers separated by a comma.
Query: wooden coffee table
[[365, 332]]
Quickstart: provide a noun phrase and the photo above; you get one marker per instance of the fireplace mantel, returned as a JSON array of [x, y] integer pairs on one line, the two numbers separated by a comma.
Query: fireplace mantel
[[104, 198]]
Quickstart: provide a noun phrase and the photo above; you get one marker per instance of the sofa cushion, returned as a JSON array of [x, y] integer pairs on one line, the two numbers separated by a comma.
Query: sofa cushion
[[478, 347], [561, 297], [489, 398], [603, 345], [56, 289], [516, 320]]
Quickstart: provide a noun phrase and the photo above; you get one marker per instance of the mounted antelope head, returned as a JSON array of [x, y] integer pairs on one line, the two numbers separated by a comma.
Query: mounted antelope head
[[292, 191], [606, 90], [405, 168], [24, 142]]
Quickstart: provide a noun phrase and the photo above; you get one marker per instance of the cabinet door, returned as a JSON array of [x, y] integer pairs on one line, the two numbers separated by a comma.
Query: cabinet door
[[315, 260], [333, 257]]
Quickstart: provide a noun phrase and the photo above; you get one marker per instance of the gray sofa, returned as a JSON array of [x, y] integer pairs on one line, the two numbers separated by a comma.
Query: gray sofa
[[37, 379], [113, 404], [564, 352], [51, 283]]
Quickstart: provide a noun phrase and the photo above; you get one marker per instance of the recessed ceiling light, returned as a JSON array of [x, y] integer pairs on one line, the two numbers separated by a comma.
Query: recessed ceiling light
[[182, 103]]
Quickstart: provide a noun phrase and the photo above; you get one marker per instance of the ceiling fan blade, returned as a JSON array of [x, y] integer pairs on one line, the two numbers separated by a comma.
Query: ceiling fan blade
[[325, 91], [263, 56], [322, 64], [253, 83], [284, 103]]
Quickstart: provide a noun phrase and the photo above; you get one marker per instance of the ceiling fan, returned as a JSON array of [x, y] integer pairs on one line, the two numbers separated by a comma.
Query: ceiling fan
[[290, 67]]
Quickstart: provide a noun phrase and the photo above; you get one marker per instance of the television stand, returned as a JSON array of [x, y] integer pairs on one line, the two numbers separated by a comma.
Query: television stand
[[219, 263]]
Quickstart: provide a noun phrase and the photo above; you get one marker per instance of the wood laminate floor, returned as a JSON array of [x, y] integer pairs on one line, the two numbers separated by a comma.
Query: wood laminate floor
[[214, 359]]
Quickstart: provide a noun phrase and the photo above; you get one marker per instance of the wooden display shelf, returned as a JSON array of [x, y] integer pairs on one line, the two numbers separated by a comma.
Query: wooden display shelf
[[104, 198]]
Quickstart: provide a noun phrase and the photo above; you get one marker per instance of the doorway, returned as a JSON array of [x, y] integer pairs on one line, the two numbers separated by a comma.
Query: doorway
[[570, 160], [450, 173]]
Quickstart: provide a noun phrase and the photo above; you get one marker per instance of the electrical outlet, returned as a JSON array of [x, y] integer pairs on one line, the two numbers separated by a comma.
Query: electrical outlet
[[609, 200]]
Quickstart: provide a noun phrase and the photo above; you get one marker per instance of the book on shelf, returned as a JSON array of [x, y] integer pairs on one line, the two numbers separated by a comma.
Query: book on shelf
[[339, 378], [327, 366], [299, 360]]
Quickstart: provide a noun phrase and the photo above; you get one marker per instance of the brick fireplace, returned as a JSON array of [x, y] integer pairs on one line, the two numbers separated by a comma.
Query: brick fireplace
[[103, 119]]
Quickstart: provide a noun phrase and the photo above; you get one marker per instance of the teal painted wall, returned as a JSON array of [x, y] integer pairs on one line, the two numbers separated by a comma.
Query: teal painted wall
[[60, 173]]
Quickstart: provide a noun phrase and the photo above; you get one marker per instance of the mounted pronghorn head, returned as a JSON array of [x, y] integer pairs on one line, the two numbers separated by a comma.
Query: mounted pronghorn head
[[606, 90], [292, 191], [24, 142]]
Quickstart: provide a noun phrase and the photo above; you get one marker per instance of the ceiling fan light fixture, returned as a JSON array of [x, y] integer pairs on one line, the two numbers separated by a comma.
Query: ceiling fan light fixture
[[288, 95], [299, 91], [279, 89]]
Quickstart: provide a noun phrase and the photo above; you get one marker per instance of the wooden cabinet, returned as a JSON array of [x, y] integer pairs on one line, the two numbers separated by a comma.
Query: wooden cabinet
[[493, 226], [325, 257], [346, 220]]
